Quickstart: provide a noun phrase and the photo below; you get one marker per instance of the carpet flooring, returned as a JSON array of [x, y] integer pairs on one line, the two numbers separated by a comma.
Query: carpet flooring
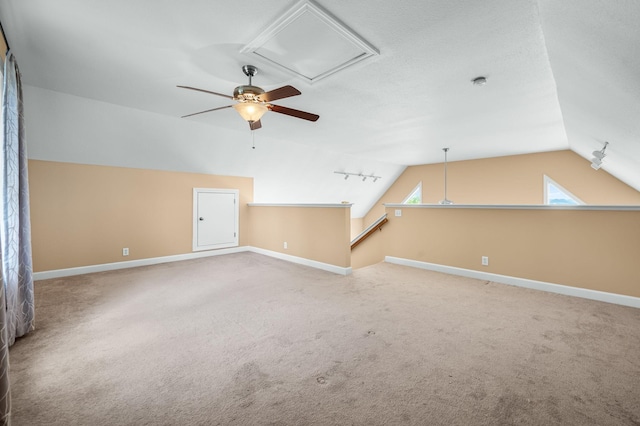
[[245, 339]]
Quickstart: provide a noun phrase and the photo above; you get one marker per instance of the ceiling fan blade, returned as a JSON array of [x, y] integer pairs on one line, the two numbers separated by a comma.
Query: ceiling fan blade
[[255, 125], [293, 112], [209, 110], [206, 91], [280, 93]]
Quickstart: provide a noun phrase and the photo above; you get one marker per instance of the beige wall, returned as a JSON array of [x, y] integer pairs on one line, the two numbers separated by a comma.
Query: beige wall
[[357, 226], [597, 250], [370, 251], [516, 179], [315, 233], [84, 215]]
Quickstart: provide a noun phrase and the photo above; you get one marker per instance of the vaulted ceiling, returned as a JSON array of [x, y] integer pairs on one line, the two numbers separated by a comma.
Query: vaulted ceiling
[[100, 88]]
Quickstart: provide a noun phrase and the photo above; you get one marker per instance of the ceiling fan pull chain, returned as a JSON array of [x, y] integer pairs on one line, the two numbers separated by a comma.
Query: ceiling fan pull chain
[[253, 139]]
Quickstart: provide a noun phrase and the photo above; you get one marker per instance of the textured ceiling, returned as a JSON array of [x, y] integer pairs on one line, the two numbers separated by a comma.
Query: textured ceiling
[[560, 74]]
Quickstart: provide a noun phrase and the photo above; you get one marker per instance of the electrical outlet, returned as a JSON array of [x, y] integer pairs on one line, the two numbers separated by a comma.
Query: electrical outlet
[[125, 251], [285, 245], [485, 260]]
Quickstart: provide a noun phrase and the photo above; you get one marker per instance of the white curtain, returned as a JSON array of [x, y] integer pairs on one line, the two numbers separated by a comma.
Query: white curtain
[[15, 232]]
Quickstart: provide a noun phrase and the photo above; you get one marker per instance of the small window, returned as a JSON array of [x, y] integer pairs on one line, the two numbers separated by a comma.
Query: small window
[[415, 197], [555, 194]]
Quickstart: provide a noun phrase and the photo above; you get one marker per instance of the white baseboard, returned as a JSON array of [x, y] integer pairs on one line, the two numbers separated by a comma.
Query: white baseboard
[[618, 299], [58, 273], [302, 261]]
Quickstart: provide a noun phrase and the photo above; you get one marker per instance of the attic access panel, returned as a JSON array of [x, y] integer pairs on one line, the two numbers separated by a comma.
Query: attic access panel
[[310, 43]]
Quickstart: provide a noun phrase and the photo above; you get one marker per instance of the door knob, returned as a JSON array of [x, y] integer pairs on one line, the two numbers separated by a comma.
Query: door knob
[[202, 218]]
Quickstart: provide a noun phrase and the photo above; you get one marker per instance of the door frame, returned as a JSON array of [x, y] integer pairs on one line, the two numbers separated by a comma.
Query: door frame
[[235, 243]]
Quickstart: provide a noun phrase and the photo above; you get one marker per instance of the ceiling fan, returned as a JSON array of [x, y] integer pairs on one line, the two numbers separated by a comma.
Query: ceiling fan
[[252, 101]]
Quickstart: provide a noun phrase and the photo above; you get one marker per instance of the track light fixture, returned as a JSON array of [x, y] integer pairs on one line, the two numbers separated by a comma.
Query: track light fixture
[[363, 176], [598, 156]]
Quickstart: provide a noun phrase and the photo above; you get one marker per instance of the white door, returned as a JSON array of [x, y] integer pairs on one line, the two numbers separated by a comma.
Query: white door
[[215, 219]]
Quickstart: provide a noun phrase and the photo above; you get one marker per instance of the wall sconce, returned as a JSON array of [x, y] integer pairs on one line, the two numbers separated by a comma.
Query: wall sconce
[[363, 176], [598, 156]]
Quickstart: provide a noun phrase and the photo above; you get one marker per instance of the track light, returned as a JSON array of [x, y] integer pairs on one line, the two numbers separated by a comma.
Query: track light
[[598, 156], [363, 176]]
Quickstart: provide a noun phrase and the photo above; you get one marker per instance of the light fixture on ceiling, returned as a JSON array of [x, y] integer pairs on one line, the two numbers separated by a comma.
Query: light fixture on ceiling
[[250, 107], [363, 176], [252, 102], [479, 81], [598, 156], [250, 111], [446, 201]]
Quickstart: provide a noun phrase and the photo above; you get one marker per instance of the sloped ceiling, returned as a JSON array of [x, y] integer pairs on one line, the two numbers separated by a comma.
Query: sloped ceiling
[[594, 49], [560, 75]]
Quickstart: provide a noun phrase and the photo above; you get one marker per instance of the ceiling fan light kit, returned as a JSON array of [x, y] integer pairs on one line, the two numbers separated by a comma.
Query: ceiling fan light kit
[[250, 111]]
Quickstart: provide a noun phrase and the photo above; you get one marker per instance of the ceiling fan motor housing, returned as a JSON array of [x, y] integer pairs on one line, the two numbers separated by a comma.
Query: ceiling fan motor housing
[[247, 93]]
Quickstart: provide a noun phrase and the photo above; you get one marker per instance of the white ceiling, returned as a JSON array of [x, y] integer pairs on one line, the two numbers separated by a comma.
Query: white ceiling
[[560, 75]]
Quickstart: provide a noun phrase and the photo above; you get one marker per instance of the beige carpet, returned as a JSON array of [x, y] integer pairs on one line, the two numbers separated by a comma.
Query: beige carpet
[[249, 340]]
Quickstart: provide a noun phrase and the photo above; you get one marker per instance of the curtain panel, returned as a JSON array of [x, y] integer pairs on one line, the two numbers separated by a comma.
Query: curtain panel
[[17, 269], [15, 232]]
